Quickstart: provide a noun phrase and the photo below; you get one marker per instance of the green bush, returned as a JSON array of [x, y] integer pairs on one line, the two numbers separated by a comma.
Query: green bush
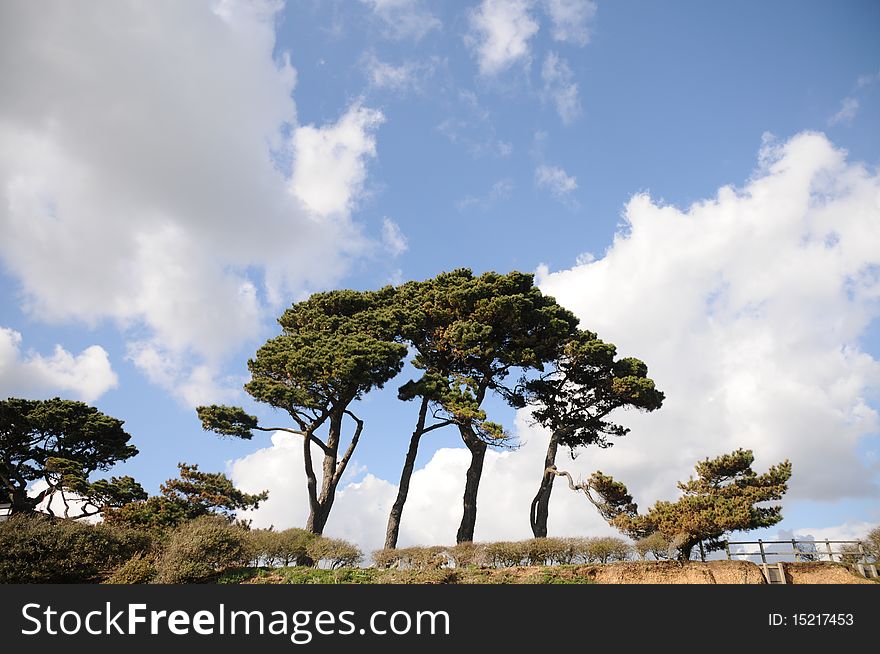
[[656, 544], [333, 552], [199, 549], [606, 550], [139, 569], [37, 548], [284, 548]]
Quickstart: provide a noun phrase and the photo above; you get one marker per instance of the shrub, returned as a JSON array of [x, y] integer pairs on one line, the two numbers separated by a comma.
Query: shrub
[[656, 544], [139, 569], [414, 558], [468, 555], [199, 549], [293, 545], [505, 554], [872, 544], [546, 551], [334, 552], [605, 550], [36, 548]]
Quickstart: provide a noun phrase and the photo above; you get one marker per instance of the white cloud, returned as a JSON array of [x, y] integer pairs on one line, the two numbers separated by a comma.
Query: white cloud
[[500, 33], [556, 180], [85, 376], [146, 176], [392, 238], [404, 19], [747, 309], [407, 77], [330, 162], [560, 87], [571, 19], [849, 107]]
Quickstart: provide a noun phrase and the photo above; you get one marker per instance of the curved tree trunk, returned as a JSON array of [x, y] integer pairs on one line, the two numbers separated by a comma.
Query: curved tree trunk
[[541, 504], [393, 530], [472, 484]]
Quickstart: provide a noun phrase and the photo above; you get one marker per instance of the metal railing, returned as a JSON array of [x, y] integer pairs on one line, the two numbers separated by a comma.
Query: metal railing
[[803, 550]]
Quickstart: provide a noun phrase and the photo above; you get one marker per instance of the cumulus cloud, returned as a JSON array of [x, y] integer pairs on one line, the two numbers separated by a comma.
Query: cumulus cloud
[[500, 33], [85, 376], [404, 19], [556, 180], [330, 162], [571, 19], [154, 172], [747, 307], [560, 87]]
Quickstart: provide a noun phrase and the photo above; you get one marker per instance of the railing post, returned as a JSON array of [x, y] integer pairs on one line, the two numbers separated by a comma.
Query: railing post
[[761, 546], [830, 553], [862, 556], [702, 553], [794, 548], [727, 549]]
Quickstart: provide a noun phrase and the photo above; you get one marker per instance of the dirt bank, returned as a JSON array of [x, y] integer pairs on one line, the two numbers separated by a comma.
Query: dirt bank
[[821, 573]]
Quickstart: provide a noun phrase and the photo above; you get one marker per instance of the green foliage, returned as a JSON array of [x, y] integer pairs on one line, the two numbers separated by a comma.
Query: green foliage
[[723, 497], [585, 384], [606, 550], [139, 569], [655, 544], [227, 421], [36, 548], [334, 347], [334, 553], [62, 442], [197, 550], [470, 331], [192, 494], [287, 547]]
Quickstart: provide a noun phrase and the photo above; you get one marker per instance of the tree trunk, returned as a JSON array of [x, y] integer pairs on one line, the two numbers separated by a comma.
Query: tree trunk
[[393, 530], [541, 504], [472, 484]]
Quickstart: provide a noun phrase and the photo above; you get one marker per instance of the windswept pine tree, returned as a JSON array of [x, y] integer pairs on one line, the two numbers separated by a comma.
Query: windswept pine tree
[[726, 496]]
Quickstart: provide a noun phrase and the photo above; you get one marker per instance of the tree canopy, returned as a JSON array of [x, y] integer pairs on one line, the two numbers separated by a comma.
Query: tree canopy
[[469, 333], [334, 347], [61, 443]]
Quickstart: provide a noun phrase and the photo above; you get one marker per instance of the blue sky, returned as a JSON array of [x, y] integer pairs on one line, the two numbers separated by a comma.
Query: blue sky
[[176, 176]]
